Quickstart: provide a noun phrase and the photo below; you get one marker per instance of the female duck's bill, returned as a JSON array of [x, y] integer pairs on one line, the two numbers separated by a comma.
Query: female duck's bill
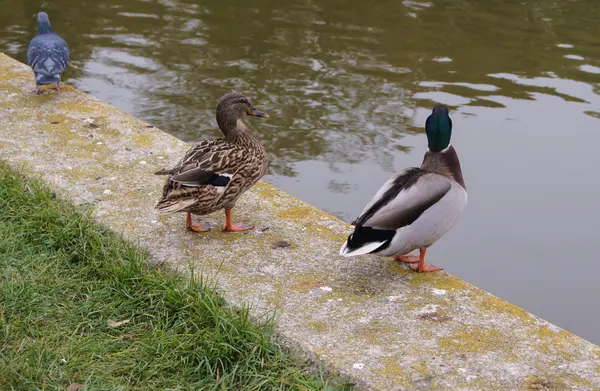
[[258, 113]]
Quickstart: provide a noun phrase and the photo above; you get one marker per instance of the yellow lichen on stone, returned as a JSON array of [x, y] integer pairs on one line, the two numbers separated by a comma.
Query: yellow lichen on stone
[[143, 140], [305, 282], [550, 342], [398, 268], [535, 383], [375, 333], [265, 190], [478, 340], [449, 283], [295, 213], [8, 86], [324, 232], [83, 107], [10, 76], [318, 326], [421, 368], [56, 118], [392, 367], [491, 303]]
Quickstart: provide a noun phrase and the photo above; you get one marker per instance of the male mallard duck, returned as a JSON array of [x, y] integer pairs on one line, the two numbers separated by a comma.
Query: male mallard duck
[[417, 206], [214, 173]]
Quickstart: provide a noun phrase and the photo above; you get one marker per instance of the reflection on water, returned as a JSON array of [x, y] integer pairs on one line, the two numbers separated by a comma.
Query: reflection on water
[[348, 86]]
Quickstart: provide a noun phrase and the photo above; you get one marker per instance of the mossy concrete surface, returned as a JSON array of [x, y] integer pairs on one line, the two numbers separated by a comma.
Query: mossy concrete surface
[[368, 319]]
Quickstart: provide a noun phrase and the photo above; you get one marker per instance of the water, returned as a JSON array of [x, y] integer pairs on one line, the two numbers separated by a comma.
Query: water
[[348, 86]]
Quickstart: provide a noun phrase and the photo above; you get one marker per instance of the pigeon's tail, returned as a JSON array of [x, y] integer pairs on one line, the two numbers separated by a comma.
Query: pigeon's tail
[[46, 79]]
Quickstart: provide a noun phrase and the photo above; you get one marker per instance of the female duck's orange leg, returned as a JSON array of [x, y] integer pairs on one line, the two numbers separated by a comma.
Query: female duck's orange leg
[[239, 227], [202, 227], [422, 266]]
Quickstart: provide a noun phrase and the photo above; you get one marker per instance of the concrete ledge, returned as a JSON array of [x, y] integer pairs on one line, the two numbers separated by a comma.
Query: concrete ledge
[[368, 319]]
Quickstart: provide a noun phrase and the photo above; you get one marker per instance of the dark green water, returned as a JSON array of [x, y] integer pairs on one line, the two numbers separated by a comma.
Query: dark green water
[[348, 85]]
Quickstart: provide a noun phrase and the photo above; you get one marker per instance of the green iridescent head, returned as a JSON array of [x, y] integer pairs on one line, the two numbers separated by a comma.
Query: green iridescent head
[[439, 129]]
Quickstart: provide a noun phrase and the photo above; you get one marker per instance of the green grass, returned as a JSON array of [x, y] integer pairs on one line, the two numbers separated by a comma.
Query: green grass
[[63, 282]]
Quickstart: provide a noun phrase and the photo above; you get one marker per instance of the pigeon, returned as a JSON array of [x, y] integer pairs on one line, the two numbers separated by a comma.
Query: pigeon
[[47, 55]]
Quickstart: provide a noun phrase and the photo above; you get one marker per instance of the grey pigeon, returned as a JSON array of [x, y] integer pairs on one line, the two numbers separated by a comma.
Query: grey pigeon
[[47, 55]]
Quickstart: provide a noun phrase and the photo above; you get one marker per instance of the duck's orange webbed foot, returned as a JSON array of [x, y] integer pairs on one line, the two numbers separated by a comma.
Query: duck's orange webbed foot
[[427, 267], [202, 227], [239, 227], [422, 267]]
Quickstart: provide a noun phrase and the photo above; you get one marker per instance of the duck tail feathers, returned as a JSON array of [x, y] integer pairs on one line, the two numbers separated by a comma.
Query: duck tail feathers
[[366, 240], [368, 248], [167, 206]]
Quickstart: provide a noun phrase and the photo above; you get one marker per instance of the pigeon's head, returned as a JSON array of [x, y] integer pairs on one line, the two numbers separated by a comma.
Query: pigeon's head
[[43, 23]]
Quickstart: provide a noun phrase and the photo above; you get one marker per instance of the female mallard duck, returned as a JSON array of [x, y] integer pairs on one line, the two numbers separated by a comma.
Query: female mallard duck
[[214, 173], [417, 206]]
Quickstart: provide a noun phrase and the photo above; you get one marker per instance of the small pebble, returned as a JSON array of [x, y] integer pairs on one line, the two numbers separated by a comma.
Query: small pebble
[[90, 122], [326, 289], [358, 365]]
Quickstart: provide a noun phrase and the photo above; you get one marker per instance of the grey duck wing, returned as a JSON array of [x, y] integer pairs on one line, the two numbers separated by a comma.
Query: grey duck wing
[[398, 203]]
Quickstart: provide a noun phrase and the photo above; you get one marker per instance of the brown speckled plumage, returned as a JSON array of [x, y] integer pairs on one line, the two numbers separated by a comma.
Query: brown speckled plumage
[[238, 156]]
